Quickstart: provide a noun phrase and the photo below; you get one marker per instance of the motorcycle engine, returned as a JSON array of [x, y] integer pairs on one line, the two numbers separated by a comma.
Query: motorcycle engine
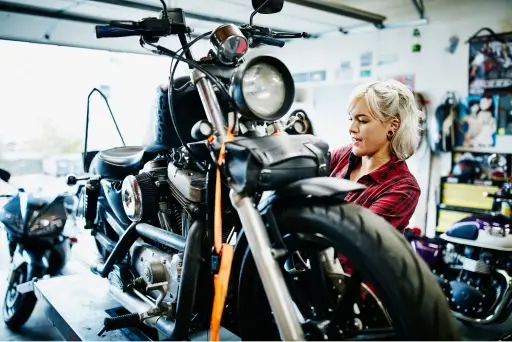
[[166, 193], [158, 194], [471, 279]]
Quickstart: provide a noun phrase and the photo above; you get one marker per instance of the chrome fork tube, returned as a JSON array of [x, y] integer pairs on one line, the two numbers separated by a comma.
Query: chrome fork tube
[[210, 102], [274, 284], [269, 271]]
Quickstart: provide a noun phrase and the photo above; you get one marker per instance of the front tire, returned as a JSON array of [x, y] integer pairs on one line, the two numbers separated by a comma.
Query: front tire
[[18, 307], [383, 258]]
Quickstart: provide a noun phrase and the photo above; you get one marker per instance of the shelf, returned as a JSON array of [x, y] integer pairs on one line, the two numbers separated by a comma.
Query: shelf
[[503, 145], [464, 209]]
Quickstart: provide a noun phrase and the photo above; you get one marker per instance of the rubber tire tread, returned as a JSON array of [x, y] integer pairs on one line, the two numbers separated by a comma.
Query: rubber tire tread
[[25, 309], [403, 281]]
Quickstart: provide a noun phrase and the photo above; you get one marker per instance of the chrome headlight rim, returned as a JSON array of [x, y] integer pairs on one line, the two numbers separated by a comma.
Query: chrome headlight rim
[[237, 91]]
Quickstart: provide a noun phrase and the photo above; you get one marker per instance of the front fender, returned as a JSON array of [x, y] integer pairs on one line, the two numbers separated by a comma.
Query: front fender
[[318, 188], [33, 260], [324, 189]]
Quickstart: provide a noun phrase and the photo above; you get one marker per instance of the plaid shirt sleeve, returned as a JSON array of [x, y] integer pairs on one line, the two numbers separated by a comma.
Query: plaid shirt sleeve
[[398, 204]]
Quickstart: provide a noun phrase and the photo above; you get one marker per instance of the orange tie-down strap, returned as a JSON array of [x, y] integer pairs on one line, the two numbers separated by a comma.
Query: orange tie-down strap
[[225, 250]]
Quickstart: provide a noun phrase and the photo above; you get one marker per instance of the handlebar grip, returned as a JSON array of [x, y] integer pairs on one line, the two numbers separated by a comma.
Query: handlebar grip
[[272, 41], [107, 31]]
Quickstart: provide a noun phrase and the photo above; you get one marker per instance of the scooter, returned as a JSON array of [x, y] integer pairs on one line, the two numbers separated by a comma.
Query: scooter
[[39, 241]]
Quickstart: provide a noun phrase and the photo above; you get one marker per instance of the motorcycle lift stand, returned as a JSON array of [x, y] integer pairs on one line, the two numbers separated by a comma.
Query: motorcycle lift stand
[[77, 305]]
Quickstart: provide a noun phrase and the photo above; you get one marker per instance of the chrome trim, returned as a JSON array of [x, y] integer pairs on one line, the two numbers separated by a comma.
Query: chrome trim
[[230, 43], [132, 198], [210, 102]]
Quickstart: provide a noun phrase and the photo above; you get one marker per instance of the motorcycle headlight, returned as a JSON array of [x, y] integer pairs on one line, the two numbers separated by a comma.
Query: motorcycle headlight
[[263, 89], [46, 226]]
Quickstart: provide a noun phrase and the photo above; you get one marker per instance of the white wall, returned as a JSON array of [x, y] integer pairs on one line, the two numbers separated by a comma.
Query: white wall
[[436, 71]]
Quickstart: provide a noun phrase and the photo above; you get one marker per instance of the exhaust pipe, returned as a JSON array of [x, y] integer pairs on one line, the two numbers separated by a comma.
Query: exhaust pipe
[[192, 262], [130, 235], [162, 236]]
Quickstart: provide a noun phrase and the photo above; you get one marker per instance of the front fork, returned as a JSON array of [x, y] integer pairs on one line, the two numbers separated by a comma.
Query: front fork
[[283, 308], [287, 318]]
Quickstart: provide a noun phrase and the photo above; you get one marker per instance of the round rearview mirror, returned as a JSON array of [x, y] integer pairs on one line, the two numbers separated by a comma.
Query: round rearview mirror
[[267, 6], [5, 175]]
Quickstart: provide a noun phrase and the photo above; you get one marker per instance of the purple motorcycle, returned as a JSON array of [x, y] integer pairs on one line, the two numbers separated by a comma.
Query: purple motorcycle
[[473, 260]]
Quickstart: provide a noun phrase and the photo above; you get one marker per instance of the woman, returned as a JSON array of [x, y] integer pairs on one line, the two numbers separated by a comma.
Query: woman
[[384, 129]]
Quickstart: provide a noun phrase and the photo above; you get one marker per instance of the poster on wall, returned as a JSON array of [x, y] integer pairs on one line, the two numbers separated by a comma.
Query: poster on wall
[[365, 73], [478, 124], [407, 79], [345, 72], [505, 115], [301, 77], [490, 64], [312, 76], [317, 76], [366, 61]]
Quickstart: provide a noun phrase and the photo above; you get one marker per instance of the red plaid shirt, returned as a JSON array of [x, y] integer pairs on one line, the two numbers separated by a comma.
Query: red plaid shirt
[[392, 191]]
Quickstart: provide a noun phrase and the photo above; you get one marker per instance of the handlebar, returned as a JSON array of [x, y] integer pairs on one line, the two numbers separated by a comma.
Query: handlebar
[[151, 27], [271, 41], [173, 22], [107, 31]]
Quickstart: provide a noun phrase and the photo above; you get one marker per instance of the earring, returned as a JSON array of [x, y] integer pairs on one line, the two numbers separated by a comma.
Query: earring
[[390, 134]]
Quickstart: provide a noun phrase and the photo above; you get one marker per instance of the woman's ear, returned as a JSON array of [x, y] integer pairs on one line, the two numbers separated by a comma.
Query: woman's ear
[[394, 124]]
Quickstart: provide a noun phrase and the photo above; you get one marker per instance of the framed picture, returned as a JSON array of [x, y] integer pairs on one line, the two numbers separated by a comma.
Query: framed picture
[[478, 122], [490, 64], [505, 114]]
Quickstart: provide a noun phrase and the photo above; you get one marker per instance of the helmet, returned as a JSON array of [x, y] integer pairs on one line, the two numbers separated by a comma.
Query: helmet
[[467, 170]]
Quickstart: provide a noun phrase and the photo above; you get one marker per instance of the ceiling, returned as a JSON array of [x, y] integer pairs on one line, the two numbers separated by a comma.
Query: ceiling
[[70, 22]]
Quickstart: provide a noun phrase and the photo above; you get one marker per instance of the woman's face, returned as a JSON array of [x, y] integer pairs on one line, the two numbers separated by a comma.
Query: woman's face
[[485, 103], [475, 108], [368, 134]]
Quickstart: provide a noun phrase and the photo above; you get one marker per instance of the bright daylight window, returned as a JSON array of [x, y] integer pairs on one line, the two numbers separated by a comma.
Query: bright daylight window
[[43, 101]]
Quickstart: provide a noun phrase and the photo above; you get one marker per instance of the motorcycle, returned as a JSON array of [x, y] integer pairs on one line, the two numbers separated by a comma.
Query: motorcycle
[[39, 244], [472, 260], [226, 223]]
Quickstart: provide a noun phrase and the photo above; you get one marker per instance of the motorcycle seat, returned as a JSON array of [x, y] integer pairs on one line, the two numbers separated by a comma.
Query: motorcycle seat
[[118, 162]]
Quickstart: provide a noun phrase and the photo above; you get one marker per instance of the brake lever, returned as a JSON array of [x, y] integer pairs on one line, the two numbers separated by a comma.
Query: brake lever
[[289, 35]]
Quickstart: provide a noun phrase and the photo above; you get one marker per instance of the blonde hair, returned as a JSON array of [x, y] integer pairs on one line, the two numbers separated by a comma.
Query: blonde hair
[[392, 99]]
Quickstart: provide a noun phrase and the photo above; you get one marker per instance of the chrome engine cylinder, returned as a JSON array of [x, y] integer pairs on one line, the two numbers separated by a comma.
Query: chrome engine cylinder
[[477, 266]]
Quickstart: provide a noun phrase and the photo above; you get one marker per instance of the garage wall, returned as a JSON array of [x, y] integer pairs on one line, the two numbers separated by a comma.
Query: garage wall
[[435, 72]]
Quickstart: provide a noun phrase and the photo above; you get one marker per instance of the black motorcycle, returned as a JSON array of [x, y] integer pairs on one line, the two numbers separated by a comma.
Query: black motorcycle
[[214, 223], [39, 245]]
